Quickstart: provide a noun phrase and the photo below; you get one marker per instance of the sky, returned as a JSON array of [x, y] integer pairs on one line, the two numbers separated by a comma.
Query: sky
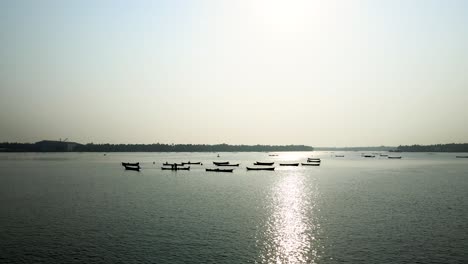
[[319, 73]]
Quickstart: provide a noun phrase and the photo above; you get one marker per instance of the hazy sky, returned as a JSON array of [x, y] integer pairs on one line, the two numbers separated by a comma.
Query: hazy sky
[[321, 73]]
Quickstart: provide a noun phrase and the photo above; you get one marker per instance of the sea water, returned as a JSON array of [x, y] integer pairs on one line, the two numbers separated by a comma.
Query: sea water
[[85, 208]]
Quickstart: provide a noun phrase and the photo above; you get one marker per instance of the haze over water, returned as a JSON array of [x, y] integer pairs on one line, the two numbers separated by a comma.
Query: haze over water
[[83, 208]]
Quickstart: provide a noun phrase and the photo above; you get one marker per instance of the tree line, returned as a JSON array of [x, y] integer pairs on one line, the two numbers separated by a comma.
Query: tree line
[[157, 147], [453, 147]]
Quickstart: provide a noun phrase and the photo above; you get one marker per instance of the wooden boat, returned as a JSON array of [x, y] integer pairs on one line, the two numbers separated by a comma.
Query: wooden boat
[[310, 164], [266, 169], [339, 156], [313, 160], [369, 156], [383, 155], [289, 164], [173, 164], [133, 168], [394, 157], [273, 155], [228, 165], [192, 163], [175, 168], [130, 164], [264, 163], [462, 157], [220, 170], [220, 162]]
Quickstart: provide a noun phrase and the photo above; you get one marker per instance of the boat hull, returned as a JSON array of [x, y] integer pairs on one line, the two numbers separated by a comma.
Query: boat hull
[[258, 169], [220, 170]]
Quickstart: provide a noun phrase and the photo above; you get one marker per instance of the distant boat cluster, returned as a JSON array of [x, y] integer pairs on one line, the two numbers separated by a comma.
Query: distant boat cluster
[[224, 166]]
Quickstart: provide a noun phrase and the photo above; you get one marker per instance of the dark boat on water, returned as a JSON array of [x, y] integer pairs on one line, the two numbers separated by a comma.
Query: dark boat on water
[[133, 168], [220, 170], [265, 169], [394, 157], [310, 164], [289, 164], [173, 164], [192, 163], [228, 165], [339, 156], [264, 163], [383, 155], [220, 162], [136, 164], [175, 168], [462, 157], [314, 160], [369, 156]]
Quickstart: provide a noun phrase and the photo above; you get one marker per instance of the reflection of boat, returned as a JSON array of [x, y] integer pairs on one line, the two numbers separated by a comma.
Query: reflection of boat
[[133, 168], [220, 162], [289, 164], [191, 163], [228, 165], [267, 169], [462, 157], [394, 157], [220, 170], [310, 164], [175, 168], [264, 163], [130, 164]]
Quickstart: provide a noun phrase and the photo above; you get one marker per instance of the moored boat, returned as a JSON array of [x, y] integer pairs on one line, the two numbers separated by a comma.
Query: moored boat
[[228, 165], [130, 164], [462, 157], [289, 164], [310, 164], [173, 164], [220, 170], [220, 162], [257, 168], [390, 157], [314, 160], [369, 156], [339, 156], [192, 163], [263, 163]]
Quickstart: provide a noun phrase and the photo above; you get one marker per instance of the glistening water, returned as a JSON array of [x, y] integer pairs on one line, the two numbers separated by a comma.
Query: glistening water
[[85, 208]]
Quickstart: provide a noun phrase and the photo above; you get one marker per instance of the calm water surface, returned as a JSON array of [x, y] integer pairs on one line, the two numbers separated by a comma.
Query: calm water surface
[[84, 208]]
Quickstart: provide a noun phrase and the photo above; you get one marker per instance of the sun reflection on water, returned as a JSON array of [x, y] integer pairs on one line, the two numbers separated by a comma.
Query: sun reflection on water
[[289, 232]]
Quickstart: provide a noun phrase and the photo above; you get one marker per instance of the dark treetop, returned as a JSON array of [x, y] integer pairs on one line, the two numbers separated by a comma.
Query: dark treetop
[[435, 148]]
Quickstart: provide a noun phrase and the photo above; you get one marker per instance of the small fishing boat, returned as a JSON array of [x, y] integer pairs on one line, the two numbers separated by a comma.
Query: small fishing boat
[[383, 155], [264, 163], [130, 164], [220, 162], [273, 155], [390, 157], [369, 156], [133, 168], [289, 164], [192, 163], [462, 157], [228, 165], [220, 170], [313, 160], [339, 156], [174, 168], [266, 169], [173, 164], [310, 164]]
